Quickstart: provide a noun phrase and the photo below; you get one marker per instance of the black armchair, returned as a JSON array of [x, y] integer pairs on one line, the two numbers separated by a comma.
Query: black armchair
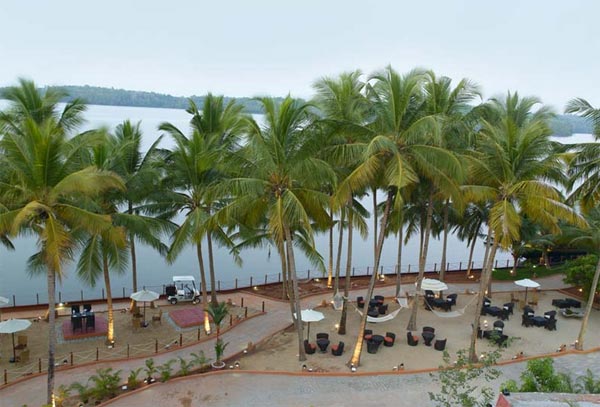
[[75, 309], [90, 322], [322, 335], [389, 339], [379, 298], [360, 302], [451, 299], [550, 315], [337, 350], [440, 344], [498, 325], [368, 334], [77, 323], [411, 339], [551, 324], [383, 309], [429, 329], [87, 307], [509, 306], [309, 348], [487, 302], [526, 320], [372, 346]]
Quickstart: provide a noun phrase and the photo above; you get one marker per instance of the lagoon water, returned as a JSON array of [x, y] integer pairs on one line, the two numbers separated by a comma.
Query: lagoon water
[[153, 271]]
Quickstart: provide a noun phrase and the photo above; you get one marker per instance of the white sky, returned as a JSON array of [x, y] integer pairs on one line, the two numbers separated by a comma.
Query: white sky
[[545, 48]]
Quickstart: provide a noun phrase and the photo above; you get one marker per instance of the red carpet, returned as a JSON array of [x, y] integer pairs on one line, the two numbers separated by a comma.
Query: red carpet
[[187, 317], [100, 330]]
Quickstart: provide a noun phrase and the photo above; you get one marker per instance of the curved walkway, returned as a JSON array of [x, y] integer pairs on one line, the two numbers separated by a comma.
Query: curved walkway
[[277, 317]]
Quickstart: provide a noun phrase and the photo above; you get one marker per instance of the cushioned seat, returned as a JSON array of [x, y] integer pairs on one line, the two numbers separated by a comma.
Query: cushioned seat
[[368, 334], [309, 348], [372, 346], [360, 302], [337, 350], [322, 335], [440, 344], [389, 339], [411, 339]]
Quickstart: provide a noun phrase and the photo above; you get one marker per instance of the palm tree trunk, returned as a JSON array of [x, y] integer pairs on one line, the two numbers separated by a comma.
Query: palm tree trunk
[[515, 256], [375, 235], [445, 241], [588, 308], [412, 323], [284, 279], [471, 251], [338, 261], [486, 273], [203, 284], [330, 264], [211, 270], [132, 251], [292, 269], [399, 262], [110, 331], [51, 338], [343, 317], [355, 359]]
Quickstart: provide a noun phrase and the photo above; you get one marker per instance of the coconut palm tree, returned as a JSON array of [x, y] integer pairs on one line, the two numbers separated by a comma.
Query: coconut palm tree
[[512, 165], [45, 184], [280, 181], [198, 164]]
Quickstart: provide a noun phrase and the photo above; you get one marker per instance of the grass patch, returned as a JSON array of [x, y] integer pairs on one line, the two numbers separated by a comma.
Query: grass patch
[[527, 271]]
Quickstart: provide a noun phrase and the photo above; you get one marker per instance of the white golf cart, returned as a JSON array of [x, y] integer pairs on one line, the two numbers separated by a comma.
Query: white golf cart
[[183, 289]]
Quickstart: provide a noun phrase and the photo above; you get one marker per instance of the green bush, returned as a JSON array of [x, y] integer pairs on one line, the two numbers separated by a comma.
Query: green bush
[[133, 381], [540, 376], [166, 370], [580, 272], [106, 383]]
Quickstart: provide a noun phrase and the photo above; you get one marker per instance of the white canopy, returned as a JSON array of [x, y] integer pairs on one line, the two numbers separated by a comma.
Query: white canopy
[[433, 285], [527, 283], [309, 315]]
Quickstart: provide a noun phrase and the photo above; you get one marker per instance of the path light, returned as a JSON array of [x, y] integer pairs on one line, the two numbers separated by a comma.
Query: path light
[[237, 364], [255, 288], [337, 326]]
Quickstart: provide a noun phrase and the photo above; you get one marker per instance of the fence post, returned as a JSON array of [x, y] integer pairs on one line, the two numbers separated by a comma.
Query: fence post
[[242, 302], [381, 272], [123, 292], [265, 279], [352, 271], [236, 283], [71, 358], [308, 274], [251, 281], [507, 263], [5, 376], [155, 345], [496, 264], [198, 333], [39, 365], [103, 294], [460, 266], [245, 312], [230, 319], [263, 306], [97, 354], [408, 271], [37, 298], [473, 264], [127, 351], [279, 278], [367, 270], [434, 267], [219, 285], [180, 339], [59, 296], [448, 266]]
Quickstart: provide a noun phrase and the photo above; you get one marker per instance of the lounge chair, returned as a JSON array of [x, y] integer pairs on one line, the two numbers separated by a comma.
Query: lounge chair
[[309, 348], [440, 344], [389, 339], [368, 334], [411, 339], [337, 350]]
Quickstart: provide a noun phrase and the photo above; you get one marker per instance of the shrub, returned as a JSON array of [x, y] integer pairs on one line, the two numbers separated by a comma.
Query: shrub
[[133, 381], [106, 383], [166, 370], [580, 272]]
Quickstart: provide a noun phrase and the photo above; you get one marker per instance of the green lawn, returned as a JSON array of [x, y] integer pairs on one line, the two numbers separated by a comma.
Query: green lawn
[[527, 272]]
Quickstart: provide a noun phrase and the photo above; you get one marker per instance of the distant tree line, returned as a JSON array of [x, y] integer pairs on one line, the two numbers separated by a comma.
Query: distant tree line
[[96, 95], [562, 125]]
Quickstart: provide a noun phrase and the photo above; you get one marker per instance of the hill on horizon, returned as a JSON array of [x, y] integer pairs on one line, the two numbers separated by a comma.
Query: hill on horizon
[[563, 125]]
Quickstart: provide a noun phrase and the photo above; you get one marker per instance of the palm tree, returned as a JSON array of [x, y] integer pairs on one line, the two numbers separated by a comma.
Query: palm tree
[[45, 184], [512, 165], [196, 166], [217, 313], [280, 182]]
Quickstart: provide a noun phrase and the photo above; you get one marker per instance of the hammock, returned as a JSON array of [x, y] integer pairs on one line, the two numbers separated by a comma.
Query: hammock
[[451, 314], [384, 318]]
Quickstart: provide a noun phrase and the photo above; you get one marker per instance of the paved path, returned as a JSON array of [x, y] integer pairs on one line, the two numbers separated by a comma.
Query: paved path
[[248, 389], [261, 327]]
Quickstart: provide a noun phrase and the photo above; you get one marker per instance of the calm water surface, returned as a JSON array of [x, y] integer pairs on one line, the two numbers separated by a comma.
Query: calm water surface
[[154, 271]]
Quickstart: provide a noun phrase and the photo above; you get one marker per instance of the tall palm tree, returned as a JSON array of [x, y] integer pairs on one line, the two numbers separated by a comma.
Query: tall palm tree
[[45, 184], [513, 163], [197, 165], [280, 181]]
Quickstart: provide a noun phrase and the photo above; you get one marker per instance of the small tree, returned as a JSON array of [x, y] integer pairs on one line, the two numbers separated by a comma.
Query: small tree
[[458, 380], [580, 272], [150, 370], [540, 376], [106, 383], [166, 370], [133, 381], [200, 360], [218, 312]]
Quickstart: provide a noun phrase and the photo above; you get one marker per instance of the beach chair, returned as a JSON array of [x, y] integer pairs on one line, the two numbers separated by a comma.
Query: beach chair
[[90, 322], [368, 334], [337, 350], [158, 317]]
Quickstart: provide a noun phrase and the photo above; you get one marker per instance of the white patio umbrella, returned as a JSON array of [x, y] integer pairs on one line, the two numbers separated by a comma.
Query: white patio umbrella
[[527, 283], [145, 296], [308, 316], [11, 326], [433, 285]]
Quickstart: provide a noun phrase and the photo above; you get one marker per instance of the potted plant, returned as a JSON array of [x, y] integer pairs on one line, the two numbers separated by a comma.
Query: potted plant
[[218, 312]]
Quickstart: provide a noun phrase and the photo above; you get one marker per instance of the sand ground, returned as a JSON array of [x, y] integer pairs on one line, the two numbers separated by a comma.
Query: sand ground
[[280, 352]]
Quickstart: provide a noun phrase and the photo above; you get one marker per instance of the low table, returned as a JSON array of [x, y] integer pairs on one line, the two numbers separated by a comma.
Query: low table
[[572, 314]]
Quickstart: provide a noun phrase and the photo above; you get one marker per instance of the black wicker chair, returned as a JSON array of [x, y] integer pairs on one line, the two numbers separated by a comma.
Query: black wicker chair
[[389, 339], [90, 322], [372, 346], [368, 334], [337, 350], [360, 302], [440, 344], [429, 329], [451, 299], [510, 307], [309, 348], [526, 320], [382, 309], [87, 307], [550, 324], [411, 339], [322, 335], [75, 309]]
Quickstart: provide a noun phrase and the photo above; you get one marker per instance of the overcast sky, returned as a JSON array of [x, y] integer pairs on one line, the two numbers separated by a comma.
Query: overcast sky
[[545, 48]]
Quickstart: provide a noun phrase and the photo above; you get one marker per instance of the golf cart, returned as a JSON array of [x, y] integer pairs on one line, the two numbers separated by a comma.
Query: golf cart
[[183, 289]]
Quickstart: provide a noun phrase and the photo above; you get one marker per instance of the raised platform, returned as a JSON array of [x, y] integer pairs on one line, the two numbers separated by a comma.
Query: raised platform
[[100, 330], [188, 317]]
